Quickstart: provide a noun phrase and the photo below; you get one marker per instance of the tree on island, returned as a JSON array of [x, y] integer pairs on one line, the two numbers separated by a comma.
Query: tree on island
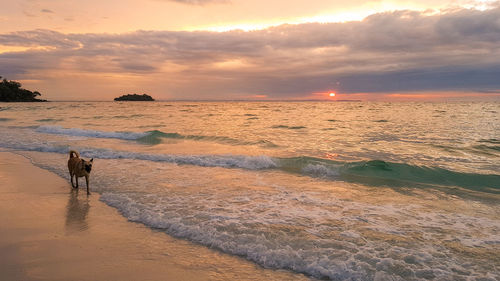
[[134, 97], [11, 91]]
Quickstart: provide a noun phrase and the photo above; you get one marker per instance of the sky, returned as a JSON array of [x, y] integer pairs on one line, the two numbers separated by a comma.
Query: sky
[[253, 50]]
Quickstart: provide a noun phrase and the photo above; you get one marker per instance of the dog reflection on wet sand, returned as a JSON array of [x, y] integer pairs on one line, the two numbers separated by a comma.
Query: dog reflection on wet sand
[[76, 213]]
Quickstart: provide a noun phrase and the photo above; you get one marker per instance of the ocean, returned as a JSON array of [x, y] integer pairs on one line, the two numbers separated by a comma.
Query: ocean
[[330, 190]]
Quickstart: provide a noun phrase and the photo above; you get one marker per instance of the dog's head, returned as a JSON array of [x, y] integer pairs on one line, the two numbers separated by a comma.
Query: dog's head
[[87, 165]]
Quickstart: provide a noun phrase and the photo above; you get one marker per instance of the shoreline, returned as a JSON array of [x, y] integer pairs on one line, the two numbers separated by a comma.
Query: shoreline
[[50, 231]]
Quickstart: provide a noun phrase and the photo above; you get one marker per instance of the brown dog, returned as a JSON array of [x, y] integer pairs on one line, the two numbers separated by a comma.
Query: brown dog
[[79, 168]]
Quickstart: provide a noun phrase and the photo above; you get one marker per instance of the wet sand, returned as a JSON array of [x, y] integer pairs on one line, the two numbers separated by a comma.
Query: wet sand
[[49, 231]]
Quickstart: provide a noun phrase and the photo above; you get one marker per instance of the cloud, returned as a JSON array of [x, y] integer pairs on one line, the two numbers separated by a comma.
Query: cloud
[[47, 11], [399, 51]]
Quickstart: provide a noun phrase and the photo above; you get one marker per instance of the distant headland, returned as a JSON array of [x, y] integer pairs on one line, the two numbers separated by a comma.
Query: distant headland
[[135, 97], [11, 91]]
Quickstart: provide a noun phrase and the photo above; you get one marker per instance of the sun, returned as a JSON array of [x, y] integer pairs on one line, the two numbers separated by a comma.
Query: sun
[[332, 94]]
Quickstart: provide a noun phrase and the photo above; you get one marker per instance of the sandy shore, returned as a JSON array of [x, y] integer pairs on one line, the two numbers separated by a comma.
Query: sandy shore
[[48, 231]]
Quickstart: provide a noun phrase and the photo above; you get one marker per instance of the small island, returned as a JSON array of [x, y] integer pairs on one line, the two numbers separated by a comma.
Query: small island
[[134, 97], [11, 91]]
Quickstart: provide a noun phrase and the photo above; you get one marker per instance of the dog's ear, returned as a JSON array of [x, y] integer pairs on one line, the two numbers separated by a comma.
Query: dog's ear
[[92, 160]]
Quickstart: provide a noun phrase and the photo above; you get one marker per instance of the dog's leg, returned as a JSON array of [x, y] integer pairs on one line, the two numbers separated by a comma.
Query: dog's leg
[[72, 184], [76, 179], [87, 180], [71, 178]]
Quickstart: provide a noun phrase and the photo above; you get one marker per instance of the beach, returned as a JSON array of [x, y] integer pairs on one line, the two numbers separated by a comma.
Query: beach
[[51, 232]]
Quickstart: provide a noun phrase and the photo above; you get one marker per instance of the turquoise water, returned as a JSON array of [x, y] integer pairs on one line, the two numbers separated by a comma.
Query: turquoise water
[[338, 190]]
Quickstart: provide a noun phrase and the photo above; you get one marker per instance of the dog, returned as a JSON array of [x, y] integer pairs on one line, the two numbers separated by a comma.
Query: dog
[[79, 168]]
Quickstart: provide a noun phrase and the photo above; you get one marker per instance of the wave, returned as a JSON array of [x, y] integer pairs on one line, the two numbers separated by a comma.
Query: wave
[[154, 137], [58, 130], [5, 119], [149, 137], [485, 147], [224, 161], [493, 141], [383, 173], [288, 127], [488, 145], [373, 172], [50, 120], [128, 116]]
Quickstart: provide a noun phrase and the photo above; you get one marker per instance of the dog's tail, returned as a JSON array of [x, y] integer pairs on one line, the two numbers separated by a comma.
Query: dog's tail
[[75, 152]]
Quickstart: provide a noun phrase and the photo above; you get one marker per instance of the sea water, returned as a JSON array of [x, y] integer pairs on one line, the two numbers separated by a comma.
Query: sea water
[[332, 190]]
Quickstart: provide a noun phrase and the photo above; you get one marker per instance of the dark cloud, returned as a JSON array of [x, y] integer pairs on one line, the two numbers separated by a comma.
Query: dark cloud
[[47, 11], [137, 67], [387, 52]]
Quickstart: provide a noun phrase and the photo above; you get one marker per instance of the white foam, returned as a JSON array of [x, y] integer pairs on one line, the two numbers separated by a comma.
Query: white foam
[[258, 238], [253, 244], [225, 161]]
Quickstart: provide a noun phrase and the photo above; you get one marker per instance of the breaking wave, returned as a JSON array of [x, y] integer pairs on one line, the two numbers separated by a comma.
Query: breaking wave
[[373, 172], [149, 137], [378, 173], [58, 130]]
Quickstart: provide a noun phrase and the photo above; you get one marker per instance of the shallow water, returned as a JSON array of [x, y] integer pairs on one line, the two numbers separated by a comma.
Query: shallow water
[[345, 190]]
